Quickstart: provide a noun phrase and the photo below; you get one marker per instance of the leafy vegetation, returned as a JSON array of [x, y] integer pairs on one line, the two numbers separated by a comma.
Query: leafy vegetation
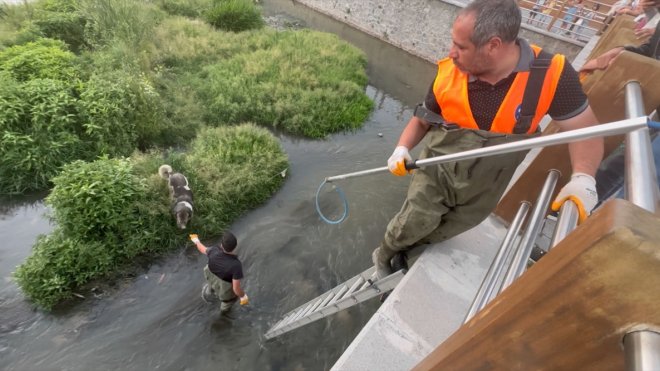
[[111, 210], [86, 83], [234, 15]]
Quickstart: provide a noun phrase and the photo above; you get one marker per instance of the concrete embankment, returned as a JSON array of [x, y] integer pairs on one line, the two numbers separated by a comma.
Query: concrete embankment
[[421, 27]]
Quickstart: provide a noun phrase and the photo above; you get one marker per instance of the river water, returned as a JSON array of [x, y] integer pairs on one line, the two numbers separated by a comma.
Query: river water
[[155, 318]]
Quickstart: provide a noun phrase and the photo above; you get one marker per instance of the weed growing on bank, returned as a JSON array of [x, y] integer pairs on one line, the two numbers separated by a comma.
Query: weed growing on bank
[[234, 15], [109, 211]]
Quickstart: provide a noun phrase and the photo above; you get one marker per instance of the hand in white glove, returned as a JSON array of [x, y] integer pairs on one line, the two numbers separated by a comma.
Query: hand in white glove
[[581, 190], [397, 162]]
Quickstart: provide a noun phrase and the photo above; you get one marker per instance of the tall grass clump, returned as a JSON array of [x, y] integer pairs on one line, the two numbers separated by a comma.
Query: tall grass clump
[[110, 211], [234, 15], [303, 82], [185, 8], [235, 169], [127, 22]]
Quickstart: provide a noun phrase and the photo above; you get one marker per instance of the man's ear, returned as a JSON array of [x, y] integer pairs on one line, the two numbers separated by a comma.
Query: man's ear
[[494, 44]]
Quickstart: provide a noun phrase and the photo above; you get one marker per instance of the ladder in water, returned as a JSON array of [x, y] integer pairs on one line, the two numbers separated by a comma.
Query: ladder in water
[[345, 295]]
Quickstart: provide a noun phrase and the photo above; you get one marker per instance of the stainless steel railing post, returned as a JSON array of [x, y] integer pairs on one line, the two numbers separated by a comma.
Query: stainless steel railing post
[[566, 222], [642, 350], [487, 289], [640, 182], [531, 232]]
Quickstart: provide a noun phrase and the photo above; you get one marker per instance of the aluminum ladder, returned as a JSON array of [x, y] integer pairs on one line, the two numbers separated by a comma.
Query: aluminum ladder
[[356, 290]]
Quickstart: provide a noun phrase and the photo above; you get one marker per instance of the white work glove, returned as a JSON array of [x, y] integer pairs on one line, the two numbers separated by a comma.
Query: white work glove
[[244, 300], [581, 190], [194, 238], [397, 162]]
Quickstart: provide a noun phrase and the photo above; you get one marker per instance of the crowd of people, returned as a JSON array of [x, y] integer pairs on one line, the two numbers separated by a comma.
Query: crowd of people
[[580, 20]]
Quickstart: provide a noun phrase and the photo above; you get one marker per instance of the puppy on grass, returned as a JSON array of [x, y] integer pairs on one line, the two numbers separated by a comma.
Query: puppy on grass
[[182, 196]]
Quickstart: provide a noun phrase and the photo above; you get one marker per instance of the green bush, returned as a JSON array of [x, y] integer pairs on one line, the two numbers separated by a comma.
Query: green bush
[[58, 264], [96, 200], [42, 59], [234, 15], [40, 132], [107, 105], [106, 215], [68, 27]]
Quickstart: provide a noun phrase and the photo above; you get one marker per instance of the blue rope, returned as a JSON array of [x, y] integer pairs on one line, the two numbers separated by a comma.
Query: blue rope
[[341, 196], [654, 125]]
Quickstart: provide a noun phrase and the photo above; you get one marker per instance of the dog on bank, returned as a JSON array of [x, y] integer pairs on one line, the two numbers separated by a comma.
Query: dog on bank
[[182, 196]]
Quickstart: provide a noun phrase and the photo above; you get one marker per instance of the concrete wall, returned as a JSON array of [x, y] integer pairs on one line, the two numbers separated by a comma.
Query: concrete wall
[[421, 27]]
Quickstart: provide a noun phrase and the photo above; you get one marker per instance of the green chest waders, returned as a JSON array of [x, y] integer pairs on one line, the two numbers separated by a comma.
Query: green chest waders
[[448, 199]]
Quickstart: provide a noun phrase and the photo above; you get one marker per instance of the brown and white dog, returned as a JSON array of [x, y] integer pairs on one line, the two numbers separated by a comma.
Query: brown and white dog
[[182, 196]]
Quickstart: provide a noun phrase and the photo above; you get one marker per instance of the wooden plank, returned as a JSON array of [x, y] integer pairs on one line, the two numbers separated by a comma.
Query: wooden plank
[[571, 310], [607, 98]]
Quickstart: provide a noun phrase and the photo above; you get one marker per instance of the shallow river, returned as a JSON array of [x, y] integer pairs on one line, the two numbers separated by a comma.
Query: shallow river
[[156, 319]]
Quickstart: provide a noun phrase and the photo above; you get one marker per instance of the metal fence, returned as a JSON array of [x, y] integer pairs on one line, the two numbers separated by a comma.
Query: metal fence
[[577, 20]]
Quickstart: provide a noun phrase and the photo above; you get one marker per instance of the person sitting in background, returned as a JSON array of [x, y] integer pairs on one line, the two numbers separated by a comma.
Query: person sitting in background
[[573, 7], [223, 273], [546, 16], [651, 48], [633, 9], [586, 15]]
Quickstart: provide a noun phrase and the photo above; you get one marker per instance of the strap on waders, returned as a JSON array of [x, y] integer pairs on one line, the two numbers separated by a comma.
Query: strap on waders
[[538, 69]]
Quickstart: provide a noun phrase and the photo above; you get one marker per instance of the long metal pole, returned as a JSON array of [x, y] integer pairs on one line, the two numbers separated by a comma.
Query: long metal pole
[[533, 227], [496, 269], [612, 128], [641, 186], [642, 350], [566, 222]]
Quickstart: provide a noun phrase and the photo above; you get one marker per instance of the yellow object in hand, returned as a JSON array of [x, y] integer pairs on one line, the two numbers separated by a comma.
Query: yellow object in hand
[[194, 238], [244, 300]]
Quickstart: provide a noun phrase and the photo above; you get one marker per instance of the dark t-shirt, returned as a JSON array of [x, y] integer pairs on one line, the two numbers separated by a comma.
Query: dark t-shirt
[[485, 99], [225, 266]]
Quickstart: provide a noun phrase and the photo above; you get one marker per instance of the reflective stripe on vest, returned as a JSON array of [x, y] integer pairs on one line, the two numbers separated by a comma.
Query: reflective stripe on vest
[[451, 93]]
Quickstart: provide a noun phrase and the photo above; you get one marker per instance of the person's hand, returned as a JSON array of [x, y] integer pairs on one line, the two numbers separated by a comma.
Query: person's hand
[[581, 190], [603, 61], [644, 33], [244, 300], [194, 238], [397, 162], [624, 10], [645, 4]]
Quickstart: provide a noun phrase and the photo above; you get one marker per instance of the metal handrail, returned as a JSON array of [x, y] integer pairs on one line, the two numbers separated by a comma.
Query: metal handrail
[[566, 222], [641, 187], [487, 289], [642, 348], [531, 232]]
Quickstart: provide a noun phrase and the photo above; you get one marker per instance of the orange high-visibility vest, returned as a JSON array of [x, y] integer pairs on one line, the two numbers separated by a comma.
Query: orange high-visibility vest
[[451, 93]]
